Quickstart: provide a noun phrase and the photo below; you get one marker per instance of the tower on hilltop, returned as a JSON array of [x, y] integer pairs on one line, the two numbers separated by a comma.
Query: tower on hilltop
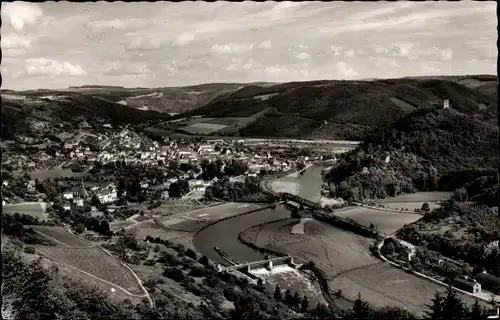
[[446, 104]]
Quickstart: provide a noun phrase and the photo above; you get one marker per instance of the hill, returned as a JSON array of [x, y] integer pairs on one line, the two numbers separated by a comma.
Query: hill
[[50, 112], [347, 109], [430, 149], [166, 100]]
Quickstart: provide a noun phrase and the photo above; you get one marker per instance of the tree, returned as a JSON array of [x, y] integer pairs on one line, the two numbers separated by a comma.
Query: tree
[[174, 190], [288, 297], [94, 201], [460, 195], [305, 305], [121, 188], [360, 310], [296, 299], [425, 207], [476, 312], [277, 293]]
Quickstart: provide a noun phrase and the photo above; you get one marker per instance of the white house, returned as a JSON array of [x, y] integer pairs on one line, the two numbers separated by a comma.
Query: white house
[[79, 202], [68, 195]]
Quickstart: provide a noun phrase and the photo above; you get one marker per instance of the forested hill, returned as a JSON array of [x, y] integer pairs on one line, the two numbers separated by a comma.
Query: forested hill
[[430, 149], [333, 109]]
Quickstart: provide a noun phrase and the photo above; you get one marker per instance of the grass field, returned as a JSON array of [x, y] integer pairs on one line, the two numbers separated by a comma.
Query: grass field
[[383, 284], [62, 236], [384, 221], [93, 261], [332, 249], [410, 206], [203, 128], [116, 294], [34, 209], [418, 197]]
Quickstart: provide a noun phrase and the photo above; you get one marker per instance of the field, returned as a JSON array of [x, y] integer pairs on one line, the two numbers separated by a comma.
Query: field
[[382, 284], [78, 254], [387, 222], [34, 209], [113, 291], [348, 264], [332, 249], [63, 237], [203, 128], [418, 197], [93, 261]]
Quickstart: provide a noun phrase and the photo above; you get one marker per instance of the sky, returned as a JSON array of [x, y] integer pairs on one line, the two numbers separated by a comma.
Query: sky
[[158, 44]]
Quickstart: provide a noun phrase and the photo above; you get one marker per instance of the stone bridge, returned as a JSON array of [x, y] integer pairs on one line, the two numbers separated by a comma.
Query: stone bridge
[[268, 264]]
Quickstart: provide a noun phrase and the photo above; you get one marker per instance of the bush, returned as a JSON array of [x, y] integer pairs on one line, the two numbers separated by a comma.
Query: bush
[[30, 250], [174, 273]]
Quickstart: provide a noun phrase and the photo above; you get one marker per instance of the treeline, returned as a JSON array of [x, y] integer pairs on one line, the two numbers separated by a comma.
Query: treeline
[[248, 191], [346, 224], [18, 226]]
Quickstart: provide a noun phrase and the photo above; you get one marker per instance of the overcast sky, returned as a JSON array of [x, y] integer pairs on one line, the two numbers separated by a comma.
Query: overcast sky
[[56, 45]]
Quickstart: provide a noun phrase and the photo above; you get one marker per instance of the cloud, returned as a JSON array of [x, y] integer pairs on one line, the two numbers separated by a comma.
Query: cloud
[[303, 56], [266, 45], [21, 14], [344, 71], [349, 53], [440, 54], [144, 44], [335, 50], [238, 65], [51, 67], [384, 62], [13, 41], [184, 39], [426, 68], [117, 68], [107, 24], [232, 48]]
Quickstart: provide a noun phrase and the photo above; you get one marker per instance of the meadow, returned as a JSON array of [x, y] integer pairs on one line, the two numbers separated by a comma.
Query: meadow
[[34, 209]]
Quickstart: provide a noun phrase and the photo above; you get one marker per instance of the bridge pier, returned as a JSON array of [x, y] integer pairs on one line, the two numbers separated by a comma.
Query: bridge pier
[[269, 265]]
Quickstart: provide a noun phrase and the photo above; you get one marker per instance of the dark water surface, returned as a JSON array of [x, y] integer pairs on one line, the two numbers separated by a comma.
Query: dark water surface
[[225, 236], [225, 233]]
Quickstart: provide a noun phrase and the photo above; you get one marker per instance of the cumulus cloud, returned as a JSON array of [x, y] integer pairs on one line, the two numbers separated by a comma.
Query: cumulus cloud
[[384, 62], [50, 67], [21, 14], [117, 68], [266, 45], [13, 41], [184, 39], [238, 65], [344, 71], [335, 50], [349, 53], [303, 56], [441, 54], [232, 48], [144, 44]]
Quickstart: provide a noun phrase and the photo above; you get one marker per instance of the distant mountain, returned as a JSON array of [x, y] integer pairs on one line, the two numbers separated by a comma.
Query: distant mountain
[[347, 109], [166, 100], [48, 112]]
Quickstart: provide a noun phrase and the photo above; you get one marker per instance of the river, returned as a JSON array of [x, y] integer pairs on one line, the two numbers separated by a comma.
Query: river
[[225, 233]]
